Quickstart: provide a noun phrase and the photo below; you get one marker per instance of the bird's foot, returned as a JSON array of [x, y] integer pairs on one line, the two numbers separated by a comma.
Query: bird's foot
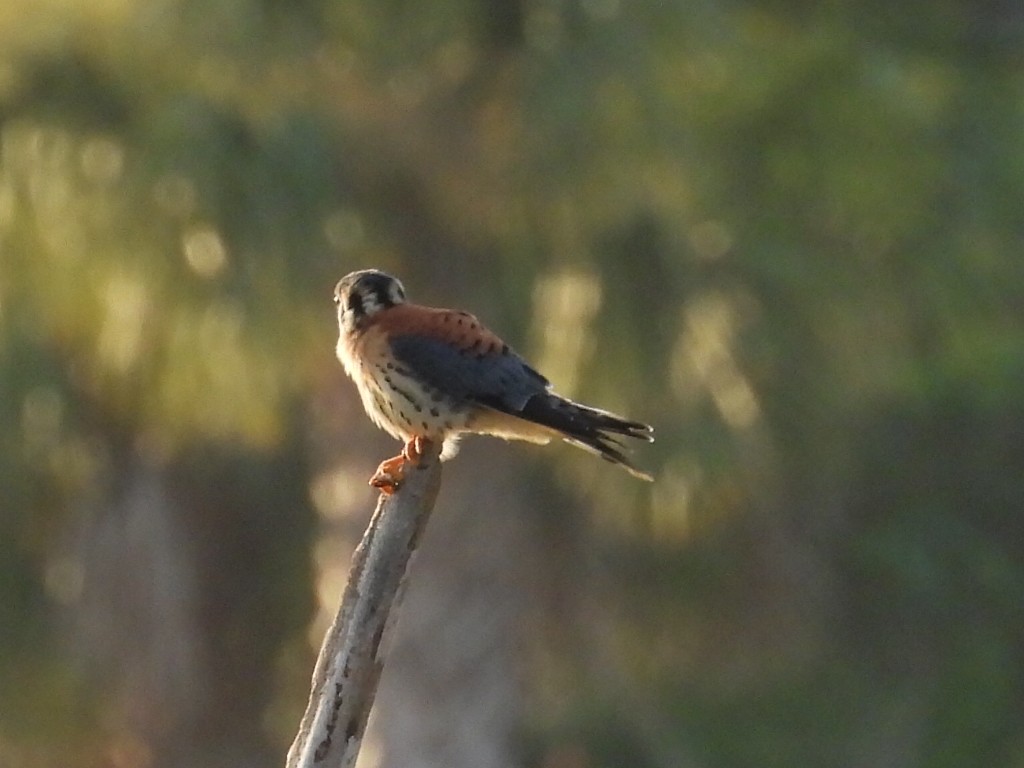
[[389, 474], [391, 471]]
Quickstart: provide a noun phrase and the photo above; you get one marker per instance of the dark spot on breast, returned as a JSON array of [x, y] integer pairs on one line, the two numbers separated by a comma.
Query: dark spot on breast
[[418, 407], [402, 371], [403, 417], [391, 366], [405, 395], [388, 379], [434, 412], [355, 303], [426, 427], [459, 322], [448, 425]]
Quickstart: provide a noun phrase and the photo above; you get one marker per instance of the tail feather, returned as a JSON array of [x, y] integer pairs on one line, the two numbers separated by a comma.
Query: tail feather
[[589, 428]]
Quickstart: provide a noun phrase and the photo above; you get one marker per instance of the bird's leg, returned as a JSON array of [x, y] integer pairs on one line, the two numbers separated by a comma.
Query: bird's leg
[[415, 448], [389, 474]]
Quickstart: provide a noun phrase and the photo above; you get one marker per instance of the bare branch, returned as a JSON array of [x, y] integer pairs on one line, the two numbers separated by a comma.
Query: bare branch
[[352, 656]]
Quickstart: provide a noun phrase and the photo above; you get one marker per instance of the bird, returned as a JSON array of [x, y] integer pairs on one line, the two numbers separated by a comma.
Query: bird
[[428, 375]]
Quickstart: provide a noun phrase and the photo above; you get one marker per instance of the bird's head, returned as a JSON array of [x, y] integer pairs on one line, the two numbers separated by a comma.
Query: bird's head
[[362, 294]]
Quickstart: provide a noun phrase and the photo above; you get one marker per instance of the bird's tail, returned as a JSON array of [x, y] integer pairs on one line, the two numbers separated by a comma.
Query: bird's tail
[[589, 428]]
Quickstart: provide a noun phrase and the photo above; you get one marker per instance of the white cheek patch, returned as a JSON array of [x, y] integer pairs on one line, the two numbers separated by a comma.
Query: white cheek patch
[[370, 304], [395, 293], [346, 321]]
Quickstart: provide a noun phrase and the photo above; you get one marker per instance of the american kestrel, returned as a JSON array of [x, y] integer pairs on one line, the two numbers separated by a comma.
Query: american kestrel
[[427, 375]]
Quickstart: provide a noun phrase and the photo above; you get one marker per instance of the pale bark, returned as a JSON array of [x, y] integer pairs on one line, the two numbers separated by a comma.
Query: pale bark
[[353, 653]]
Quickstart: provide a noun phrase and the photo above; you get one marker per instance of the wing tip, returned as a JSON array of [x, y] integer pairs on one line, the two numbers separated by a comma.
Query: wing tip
[[627, 465], [643, 432], [609, 422], [610, 454], [639, 474]]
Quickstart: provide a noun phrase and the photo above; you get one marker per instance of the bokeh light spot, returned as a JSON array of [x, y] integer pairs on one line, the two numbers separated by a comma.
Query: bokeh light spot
[[205, 251]]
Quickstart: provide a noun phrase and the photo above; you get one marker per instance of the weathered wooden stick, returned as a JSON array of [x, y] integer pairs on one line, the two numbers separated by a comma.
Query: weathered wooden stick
[[352, 656]]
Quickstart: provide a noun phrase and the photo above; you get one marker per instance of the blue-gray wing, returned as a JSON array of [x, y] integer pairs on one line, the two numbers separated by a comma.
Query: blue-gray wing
[[492, 375]]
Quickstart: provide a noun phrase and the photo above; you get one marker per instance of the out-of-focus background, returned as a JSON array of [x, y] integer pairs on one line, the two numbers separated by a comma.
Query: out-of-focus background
[[787, 234]]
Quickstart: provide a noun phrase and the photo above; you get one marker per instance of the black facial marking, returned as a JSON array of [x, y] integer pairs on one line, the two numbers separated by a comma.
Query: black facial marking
[[376, 284], [367, 290], [355, 303]]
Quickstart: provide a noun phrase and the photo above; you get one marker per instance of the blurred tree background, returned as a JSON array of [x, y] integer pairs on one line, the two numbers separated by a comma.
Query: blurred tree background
[[788, 234]]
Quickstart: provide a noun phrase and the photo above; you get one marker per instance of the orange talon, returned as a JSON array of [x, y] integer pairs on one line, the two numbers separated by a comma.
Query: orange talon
[[389, 474]]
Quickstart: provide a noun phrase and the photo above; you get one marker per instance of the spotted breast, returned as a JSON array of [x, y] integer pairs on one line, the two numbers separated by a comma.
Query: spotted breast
[[401, 404]]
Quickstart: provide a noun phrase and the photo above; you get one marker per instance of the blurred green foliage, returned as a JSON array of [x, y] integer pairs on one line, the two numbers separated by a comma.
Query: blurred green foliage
[[785, 233]]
